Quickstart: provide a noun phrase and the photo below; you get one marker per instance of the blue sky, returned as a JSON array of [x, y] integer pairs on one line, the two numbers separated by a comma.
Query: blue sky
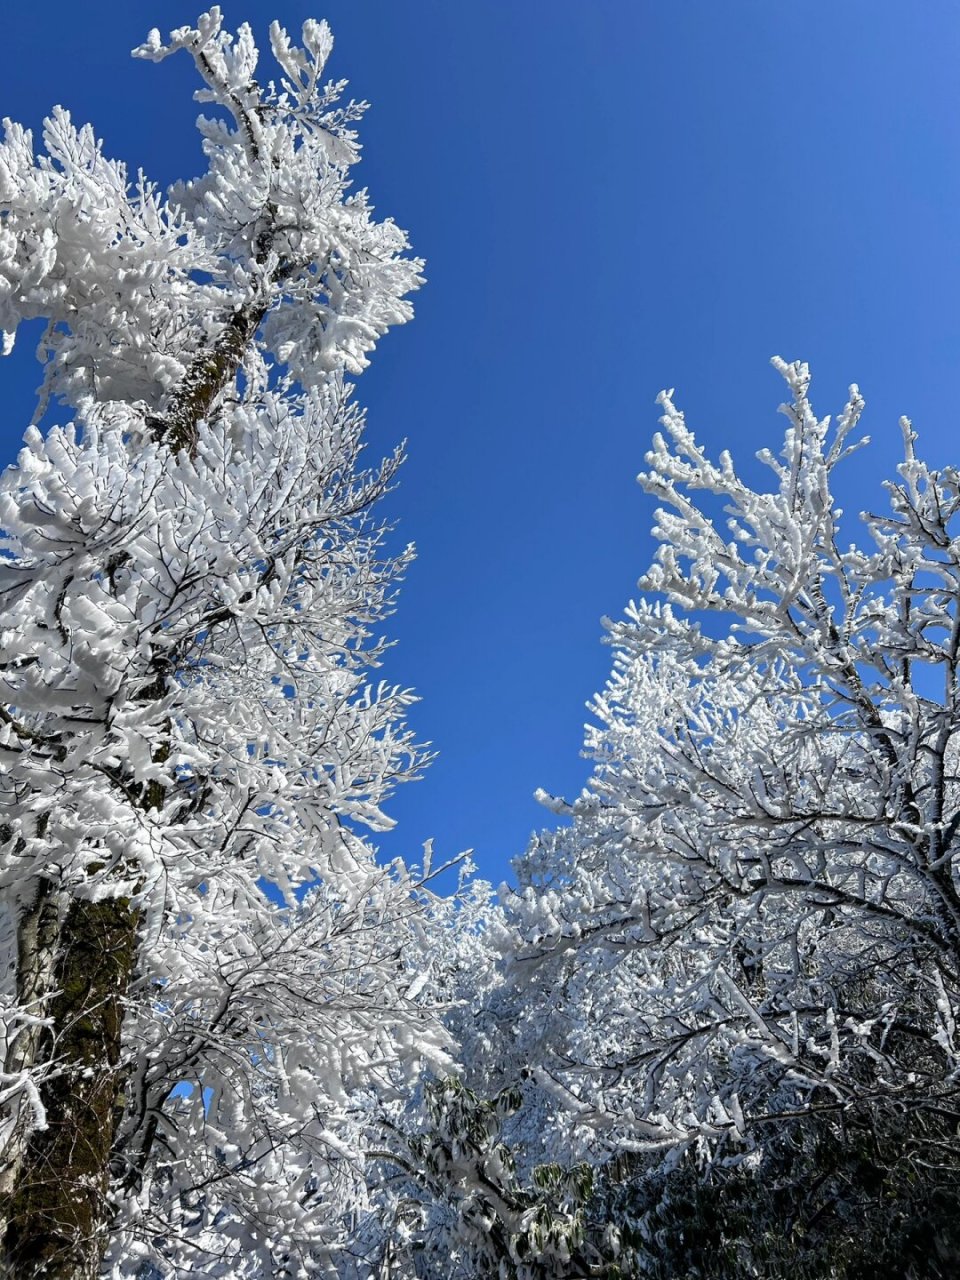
[[612, 196]]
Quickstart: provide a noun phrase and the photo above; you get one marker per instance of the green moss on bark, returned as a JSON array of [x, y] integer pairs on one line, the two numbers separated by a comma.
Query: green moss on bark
[[58, 1212]]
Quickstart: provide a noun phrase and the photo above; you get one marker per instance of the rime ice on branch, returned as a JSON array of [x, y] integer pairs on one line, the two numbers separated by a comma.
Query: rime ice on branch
[[754, 913], [191, 593]]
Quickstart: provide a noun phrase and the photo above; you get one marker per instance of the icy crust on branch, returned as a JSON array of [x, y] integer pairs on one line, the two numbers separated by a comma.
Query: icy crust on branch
[[250, 574], [753, 912], [193, 586], [134, 285], [249, 578], [292, 1034]]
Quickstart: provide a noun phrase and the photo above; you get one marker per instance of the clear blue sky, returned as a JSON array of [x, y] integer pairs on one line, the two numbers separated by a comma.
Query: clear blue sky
[[613, 196]]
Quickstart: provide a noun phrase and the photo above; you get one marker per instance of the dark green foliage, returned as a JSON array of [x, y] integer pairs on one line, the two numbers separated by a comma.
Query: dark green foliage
[[874, 1197], [481, 1216], [868, 1194]]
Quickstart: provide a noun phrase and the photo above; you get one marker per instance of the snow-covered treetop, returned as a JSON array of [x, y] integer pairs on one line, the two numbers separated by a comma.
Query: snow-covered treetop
[[756, 907], [134, 284]]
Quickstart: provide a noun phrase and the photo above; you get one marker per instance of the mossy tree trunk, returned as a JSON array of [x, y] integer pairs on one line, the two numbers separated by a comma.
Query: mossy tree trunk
[[59, 1212], [38, 938]]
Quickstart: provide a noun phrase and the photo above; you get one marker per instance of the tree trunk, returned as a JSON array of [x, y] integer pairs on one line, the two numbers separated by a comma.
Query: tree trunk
[[38, 934], [58, 1215]]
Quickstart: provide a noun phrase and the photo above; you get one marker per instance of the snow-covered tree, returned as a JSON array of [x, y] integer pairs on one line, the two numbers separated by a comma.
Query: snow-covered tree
[[460, 1186], [752, 914], [192, 586]]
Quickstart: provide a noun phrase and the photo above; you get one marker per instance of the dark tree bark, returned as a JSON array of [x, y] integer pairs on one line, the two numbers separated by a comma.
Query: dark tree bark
[[59, 1211]]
